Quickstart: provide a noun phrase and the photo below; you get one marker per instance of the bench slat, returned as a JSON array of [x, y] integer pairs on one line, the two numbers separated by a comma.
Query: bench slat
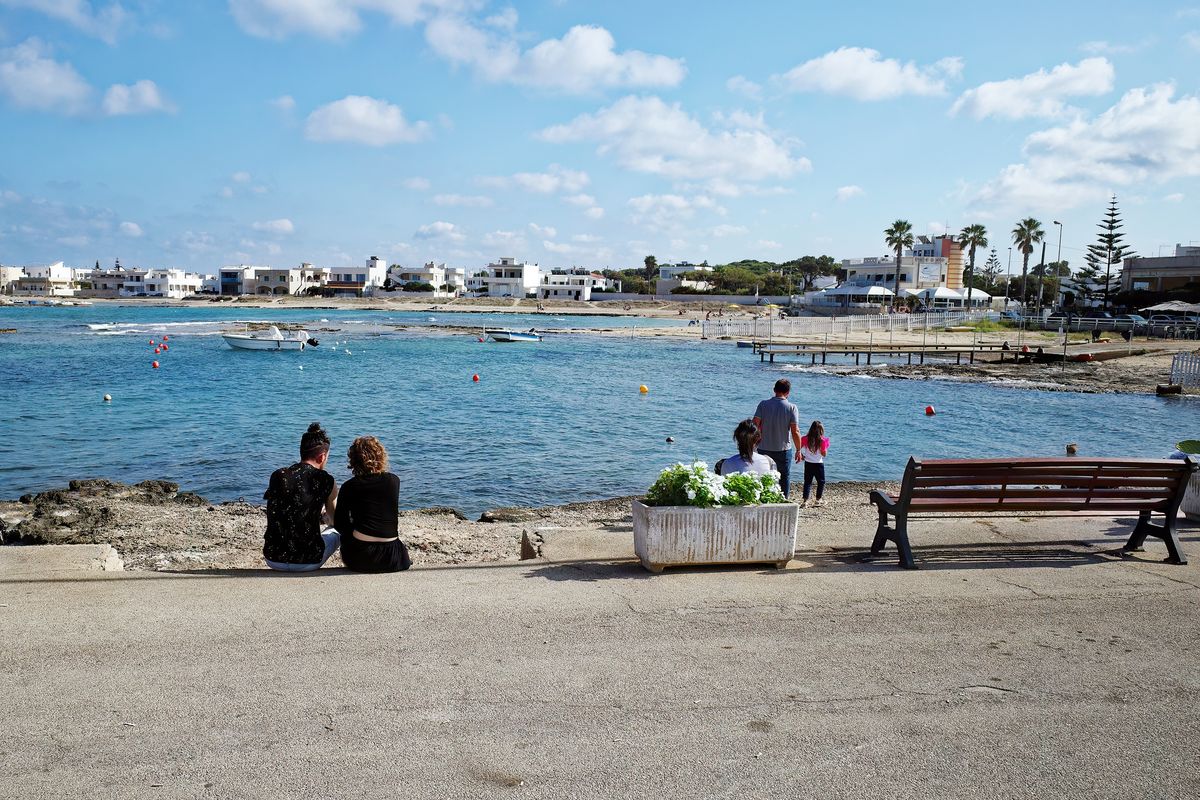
[[1049, 492], [1160, 471], [1106, 482], [937, 504]]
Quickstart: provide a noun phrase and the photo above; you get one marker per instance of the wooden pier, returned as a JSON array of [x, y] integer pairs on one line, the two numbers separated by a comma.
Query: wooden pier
[[822, 351]]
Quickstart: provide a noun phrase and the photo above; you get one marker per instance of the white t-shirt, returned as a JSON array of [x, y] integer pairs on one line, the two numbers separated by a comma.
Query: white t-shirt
[[814, 456], [758, 464]]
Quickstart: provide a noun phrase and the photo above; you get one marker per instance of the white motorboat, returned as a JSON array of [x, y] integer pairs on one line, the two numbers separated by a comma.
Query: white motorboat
[[505, 335], [271, 339]]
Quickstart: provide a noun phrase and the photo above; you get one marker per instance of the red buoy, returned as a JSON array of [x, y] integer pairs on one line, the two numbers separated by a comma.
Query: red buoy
[[164, 347], [157, 350], [475, 377], [154, 364], [481, 338], [165, 338], [151, 341], [929, 411]]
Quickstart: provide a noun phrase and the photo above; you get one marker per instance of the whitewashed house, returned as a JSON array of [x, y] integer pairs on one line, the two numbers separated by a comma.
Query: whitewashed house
[[174, 284], [9, 277], [574, 284], [508, 278], [293, 281], [46, 280], [356, 281]]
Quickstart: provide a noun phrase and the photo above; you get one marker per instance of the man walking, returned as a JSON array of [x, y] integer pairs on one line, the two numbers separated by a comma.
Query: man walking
[[779, 421]]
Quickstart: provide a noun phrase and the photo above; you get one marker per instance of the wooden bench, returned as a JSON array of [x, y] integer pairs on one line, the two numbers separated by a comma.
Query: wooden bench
[[1099, 486]]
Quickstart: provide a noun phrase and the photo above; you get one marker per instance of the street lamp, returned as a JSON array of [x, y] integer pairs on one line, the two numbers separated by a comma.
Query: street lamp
[[1058, 263], [1008, 279]]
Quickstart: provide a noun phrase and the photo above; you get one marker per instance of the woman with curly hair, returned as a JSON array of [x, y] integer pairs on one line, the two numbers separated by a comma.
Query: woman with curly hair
[[368, 510]]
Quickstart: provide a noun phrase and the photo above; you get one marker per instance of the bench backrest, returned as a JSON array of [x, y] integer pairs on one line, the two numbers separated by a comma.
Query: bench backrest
[[1046, 484]]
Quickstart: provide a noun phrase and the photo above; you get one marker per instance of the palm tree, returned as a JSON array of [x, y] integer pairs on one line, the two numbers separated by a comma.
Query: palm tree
[[971, 237], [898, 237], [1027, 233]]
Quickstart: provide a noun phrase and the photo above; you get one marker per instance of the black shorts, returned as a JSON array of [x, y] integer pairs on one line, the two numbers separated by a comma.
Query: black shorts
[[361, 556]]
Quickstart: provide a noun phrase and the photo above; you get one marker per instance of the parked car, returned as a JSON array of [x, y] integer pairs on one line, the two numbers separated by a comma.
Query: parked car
[[1011, 316], [1134, 322], [1164, 319]]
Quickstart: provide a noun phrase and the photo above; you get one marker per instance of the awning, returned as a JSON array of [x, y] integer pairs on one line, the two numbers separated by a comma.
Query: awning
[[859, 291], [1176, 305]]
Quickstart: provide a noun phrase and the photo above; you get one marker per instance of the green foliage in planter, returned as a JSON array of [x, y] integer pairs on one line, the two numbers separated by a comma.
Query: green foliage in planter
[[694, 485]]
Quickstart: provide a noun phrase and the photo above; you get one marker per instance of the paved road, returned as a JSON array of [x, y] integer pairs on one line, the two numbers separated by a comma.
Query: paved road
[[1002, 669]]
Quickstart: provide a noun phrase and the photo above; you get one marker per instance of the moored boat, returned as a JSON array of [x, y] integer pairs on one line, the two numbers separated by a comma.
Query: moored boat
[[271, 339], [505, 335]]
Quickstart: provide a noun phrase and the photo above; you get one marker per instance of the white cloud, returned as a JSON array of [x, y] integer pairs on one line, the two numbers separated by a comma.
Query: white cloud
[[845, 193], [583, 60], [470, 201], [1104, 48], [1174, 197], [417, 184], [740, 119], [864, 74], [226, 192], [142, 97], [447, 231], [668, 211], [554, 179], [645, 134], [31, 79], [741, 85], [240, 177], [73, 241], [284, 102], [769, 244], [510, 240], [585, 238], [1039, 94], [582, 200], [276, 226], [1146, 137], [595, 212], [544, 231], [103, 23], [721, 231], [935, 228], [328, 19], [1192, 40], [556, 247], [364, 120], [131, 229]]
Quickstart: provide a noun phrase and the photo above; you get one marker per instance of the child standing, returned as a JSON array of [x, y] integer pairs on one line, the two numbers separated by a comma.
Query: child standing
[[813, 448]]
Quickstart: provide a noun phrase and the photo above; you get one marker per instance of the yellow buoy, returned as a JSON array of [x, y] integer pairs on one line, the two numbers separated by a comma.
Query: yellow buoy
[[644, 389]]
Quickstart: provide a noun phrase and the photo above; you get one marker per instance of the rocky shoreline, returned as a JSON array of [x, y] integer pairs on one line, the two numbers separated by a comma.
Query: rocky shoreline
[[155, 526]]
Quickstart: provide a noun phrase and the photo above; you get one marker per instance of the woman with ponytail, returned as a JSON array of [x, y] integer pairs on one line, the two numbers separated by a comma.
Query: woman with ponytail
[[747, 436]]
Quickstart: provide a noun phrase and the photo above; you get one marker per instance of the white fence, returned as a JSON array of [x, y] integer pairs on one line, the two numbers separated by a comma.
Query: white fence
[[764, 328], [1185, 370]]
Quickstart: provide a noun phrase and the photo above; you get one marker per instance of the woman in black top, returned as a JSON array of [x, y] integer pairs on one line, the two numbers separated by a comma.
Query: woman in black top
[[368, 510]]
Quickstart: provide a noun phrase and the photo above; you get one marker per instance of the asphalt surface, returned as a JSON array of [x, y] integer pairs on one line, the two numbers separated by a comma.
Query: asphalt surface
[[1028, 661]]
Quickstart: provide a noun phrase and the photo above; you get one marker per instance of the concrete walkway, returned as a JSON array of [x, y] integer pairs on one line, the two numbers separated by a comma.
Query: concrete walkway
[[1031, 662]]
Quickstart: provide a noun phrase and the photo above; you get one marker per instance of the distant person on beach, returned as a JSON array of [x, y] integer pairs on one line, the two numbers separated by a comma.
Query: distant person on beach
[[779, 422], [747, 436], [813, 449], [299, 498], [368, 512], [1072, 449]]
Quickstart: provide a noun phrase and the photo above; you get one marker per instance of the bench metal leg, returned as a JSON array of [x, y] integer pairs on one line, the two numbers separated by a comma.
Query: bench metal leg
[[898, 534], [1166, 532]]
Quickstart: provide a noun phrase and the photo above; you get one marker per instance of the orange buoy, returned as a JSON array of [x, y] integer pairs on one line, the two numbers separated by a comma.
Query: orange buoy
[[154, 364], [929, 411], [644, 389], [475, 377]]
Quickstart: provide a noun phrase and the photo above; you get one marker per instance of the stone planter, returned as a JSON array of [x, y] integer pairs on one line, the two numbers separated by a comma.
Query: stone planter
[[1191, 498], [667, 536]]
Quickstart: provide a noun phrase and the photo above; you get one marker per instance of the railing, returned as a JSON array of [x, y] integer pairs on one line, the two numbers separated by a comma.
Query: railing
[[1185, 370], [764, 328]]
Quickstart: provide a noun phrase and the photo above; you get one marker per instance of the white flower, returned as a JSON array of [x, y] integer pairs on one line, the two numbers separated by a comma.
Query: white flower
[[691, 494]]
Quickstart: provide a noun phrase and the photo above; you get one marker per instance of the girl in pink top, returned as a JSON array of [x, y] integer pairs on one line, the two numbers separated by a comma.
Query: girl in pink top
[[813, 447]]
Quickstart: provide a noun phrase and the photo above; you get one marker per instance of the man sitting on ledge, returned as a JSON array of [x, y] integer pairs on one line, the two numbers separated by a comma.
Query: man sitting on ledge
[[295, 499]]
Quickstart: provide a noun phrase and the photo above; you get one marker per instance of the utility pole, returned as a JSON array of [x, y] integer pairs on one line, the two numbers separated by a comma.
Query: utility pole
[[1008, 279], [1058, 263], [1041, 280]]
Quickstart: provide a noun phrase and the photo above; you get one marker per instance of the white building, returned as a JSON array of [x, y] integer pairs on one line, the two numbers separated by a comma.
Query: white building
[[670, 277], [133, 283], [175, 284], [357, 282], [574, 284], [9, 277], [48, 280], [210, 284], [234, 281], [916, 272], [446, 281], [294, 281], [507, 278]]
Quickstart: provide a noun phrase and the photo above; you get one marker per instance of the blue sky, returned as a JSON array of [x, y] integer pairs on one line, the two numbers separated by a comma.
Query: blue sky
[[564, 132]]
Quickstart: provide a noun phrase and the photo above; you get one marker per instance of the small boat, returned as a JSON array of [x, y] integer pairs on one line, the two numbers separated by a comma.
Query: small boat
[[270, 339], [505, 335]]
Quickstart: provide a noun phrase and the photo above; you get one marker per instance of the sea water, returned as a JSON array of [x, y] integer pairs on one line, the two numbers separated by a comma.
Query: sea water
[[553, 422]]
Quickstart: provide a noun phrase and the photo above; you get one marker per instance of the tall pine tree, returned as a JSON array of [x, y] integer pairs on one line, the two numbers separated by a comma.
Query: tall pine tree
[[1097, 278]]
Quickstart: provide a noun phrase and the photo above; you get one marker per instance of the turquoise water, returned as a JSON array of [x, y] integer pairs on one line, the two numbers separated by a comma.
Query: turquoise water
[[547, 423]]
